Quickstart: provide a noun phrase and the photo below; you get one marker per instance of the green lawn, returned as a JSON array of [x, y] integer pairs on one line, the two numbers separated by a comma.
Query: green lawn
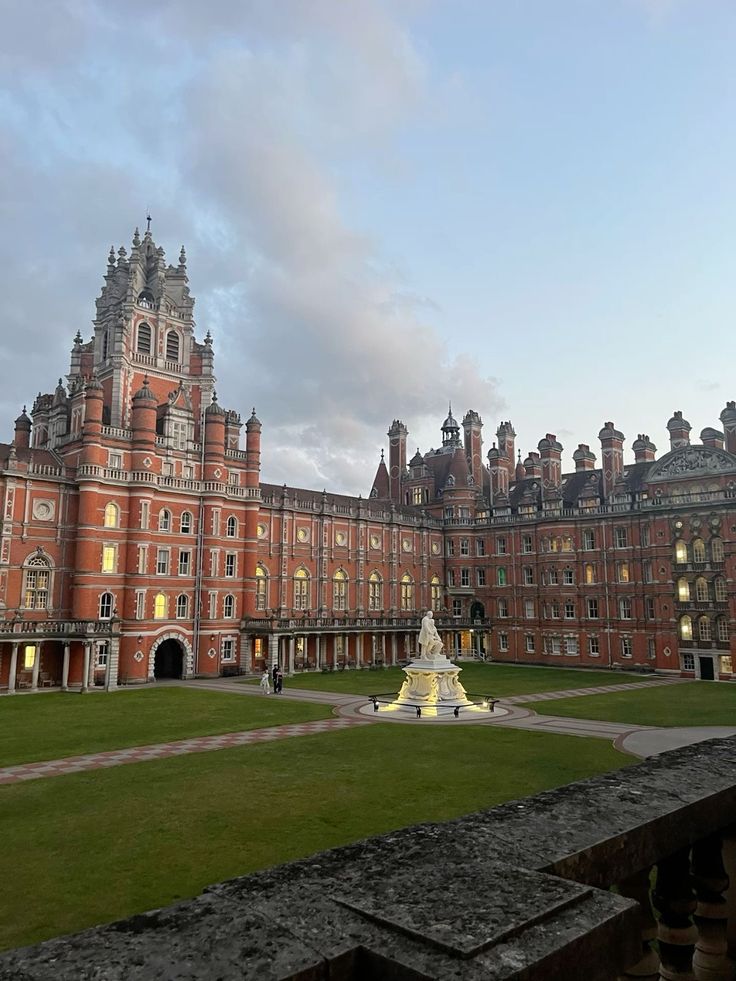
[[482, 679], [50, 726], [90, 847], [697, 703]]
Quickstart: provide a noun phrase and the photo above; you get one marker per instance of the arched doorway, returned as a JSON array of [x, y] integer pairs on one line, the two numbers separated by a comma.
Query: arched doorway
[[477, 610], [169, 660]]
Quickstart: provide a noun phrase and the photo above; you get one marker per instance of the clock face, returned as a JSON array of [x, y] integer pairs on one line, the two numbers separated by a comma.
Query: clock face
[[678, 525], [375, 541], [262, 531], [340, 538], [302, 535]]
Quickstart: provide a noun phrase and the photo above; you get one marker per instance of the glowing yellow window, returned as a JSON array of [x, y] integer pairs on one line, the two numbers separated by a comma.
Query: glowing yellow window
[[109, 558], [159, 606], [29, 657], [680, 552], [686, 628], [683, 590], [111, 515]]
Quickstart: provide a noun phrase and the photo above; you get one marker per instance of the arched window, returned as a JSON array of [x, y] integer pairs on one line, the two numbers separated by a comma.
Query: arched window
[[301, 589], [683, 591], [186, 523], [701, 590], [172, 346], [375, 592], [182, 606], [719, 590], [716, 549], [407, 592], [339, 590], [112, 515], [722, 629], [228, 607], [106, 606], [164, 520], [143, 344], [37, 583], [589, 573], [704, 628], [686, 628], [261, 588], [436, 591], [145, 299], [698, 550], [159, 606], [231, 528], [680, 553]]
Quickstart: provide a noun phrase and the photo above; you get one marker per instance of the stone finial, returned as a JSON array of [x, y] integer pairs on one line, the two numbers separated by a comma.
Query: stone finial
[[111, 257], [182, 258], [77, 339], [208, 339], [136, 237]]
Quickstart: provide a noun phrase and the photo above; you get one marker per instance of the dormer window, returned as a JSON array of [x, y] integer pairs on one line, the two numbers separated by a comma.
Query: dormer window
[[145, 299], [172, 346], [143, 345]]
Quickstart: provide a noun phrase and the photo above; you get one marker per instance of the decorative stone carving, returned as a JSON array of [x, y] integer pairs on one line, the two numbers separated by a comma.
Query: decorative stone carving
[[44, 510], [691, 461]]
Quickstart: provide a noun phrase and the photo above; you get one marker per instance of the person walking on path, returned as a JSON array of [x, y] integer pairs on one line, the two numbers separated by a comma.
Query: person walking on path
[[279, 687], [265, 683], [275, 674]]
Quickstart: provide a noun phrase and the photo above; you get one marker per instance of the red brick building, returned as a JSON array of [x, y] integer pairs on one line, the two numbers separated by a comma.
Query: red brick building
[[138, 541]]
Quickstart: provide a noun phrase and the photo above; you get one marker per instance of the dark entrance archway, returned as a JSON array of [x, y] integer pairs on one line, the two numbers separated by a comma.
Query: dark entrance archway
[[477, 610], [706, 669], [169, 660]]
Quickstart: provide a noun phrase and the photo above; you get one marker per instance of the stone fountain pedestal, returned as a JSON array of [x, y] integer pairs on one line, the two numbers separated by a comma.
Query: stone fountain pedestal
[[432, 681]]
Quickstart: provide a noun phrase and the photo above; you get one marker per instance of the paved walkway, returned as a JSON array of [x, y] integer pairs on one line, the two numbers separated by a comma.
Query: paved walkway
[[635, 739]]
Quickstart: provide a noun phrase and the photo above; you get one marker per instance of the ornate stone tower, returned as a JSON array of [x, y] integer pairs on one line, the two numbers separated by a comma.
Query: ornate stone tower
[[396, 458], [473, 439]]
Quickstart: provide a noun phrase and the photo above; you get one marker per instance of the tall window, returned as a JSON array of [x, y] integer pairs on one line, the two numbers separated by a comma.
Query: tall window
[[159, 606], [106, 606], [339, 590], [228, 607], [683, 591], [704, 628], [182, 606], [162, 561], [109, 558], [626, 647], [680, 553], [230, 564], [621, 537], [701, 590], [436, 592], [407, 592], [686, 628], [144, 339], [588, 540], [592, 609], [37, 584], [185, 561], [719, 589], [716, 549], [186, 522], [464, 546], [261, 587], [722, 629], [501, 577], [172, 346], [624, 572], [500, 546], [503, 609], [112, 515], [375, 591], [624, 609], [301, 589], [645, 536], [526, 544], [231, 528], [164, 520], [698, 550]]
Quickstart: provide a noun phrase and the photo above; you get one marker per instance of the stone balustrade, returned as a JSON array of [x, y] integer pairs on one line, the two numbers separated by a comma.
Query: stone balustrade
[[554, 887]]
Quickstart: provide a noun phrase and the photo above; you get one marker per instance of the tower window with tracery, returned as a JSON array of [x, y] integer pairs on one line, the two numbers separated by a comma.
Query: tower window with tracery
[[37, 584], [172, 346]]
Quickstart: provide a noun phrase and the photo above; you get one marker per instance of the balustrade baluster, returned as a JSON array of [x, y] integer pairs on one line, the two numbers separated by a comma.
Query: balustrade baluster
[[711, 961], [675, 900], [647, 967]]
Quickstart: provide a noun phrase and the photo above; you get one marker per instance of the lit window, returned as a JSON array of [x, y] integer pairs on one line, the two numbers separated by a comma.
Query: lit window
[[29, 657], [375, 591], [301, 589], [37, 584], [624, 572], [112, 515], [339, 590], [106, 606], [680, 553], [589, 573], [436, 592], [407, 592], [683, 591], [686, 628], [261, 587], [567, 544], [159, 606], [109, 558]]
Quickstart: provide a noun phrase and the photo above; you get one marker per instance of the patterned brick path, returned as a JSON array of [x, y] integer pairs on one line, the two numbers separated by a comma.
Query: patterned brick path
[[159, 751], [546, 696]]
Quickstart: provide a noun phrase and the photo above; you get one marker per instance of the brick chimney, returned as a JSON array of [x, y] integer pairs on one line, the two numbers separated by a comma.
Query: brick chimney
[[679, 429], [583, 458], [728, 418], [612, 452], [644, 449]]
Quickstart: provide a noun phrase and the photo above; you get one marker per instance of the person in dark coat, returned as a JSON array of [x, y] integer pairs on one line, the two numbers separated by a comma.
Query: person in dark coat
[[279, 686], [275, 675]]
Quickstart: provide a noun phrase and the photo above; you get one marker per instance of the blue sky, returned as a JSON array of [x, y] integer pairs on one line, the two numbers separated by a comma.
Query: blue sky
[[527, 208]]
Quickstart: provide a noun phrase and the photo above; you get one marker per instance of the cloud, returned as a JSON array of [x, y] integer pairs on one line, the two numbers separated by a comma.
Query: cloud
[[233, 123]]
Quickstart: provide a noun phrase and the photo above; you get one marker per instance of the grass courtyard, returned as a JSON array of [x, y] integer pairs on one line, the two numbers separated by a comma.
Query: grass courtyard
[[697, 703], [90, 847], [480, 678]]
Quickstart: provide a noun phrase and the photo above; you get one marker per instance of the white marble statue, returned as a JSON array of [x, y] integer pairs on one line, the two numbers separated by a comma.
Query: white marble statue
[[429, 640]]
